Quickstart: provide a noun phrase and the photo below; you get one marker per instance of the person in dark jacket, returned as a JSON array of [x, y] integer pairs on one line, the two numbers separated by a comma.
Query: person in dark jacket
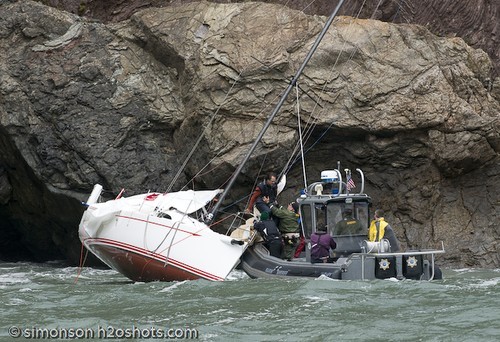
[[265, 190], [270, 233], [321, 243]]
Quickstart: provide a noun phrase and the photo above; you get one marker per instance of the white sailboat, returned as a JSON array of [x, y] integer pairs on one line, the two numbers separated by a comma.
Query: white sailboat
[[156, 236]]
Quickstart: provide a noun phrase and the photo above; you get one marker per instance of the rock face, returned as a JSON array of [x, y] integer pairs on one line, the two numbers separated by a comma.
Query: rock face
[[122, 105], [476, 21]]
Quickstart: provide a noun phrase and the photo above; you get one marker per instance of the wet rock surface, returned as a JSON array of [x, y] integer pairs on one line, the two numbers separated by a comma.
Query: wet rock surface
[[122, 104]]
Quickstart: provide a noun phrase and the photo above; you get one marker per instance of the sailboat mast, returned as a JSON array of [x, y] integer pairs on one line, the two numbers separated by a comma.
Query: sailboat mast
[[276, 110]]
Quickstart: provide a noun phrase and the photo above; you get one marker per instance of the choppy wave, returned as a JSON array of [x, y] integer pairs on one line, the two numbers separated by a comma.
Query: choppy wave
[[463, 306]]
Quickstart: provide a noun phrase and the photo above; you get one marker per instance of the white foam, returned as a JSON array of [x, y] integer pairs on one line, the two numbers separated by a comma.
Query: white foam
[[394, 280], [488, 283], [237, 275], [15, 302], [324, 277], [464, 270], [14, 278], [226, 320], [173, 286], [313, 300]]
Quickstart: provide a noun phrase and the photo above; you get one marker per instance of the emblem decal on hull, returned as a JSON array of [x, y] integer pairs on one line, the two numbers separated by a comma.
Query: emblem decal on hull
[[384, 264], [411, 262]]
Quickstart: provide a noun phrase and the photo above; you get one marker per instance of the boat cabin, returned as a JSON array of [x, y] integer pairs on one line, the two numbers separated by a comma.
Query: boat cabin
[[345, 214]]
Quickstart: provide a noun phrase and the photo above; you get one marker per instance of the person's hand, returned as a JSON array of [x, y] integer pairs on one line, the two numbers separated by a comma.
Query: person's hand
[[247, 213], [265, 199]]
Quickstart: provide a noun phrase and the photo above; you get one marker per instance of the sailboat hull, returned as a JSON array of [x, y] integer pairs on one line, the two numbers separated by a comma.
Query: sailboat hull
[[148, 238], [137, 266]]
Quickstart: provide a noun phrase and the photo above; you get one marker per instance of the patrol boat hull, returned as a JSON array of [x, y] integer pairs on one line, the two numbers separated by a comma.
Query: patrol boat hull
[[257, 263]]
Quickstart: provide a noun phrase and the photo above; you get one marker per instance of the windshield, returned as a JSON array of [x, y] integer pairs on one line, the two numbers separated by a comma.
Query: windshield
[[340, 218]]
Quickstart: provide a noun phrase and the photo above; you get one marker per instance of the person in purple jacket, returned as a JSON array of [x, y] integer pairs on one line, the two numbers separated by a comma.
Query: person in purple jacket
[[321, 242]]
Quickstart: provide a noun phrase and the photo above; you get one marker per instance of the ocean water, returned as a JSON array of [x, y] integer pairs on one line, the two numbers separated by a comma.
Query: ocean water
[[48, 301]]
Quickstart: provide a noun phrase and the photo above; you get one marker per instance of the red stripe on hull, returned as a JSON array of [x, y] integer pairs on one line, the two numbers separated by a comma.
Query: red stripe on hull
[[139, 267], [149, 255], [156, 224]]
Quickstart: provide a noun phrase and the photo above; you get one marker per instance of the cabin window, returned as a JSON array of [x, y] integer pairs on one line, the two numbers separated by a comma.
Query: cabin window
[[335, 214], [321, 215], [362, 213], [306, 220]]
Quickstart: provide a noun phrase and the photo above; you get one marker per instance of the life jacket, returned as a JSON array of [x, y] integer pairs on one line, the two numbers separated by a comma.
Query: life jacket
[[268, 230], [320, 245], [270, 191], [377, 229]]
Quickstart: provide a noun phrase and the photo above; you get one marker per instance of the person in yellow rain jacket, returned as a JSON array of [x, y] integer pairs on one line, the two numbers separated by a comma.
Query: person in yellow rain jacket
[[380, 229]]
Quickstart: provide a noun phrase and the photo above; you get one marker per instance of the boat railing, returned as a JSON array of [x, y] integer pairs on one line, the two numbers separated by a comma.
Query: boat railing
[[362, 176], [335, 183]]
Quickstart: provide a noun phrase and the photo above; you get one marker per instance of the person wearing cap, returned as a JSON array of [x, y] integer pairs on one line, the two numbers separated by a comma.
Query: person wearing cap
[[348, 225], [321, 243], [380, 229], [266, 189], [288, 226], [270, 233]]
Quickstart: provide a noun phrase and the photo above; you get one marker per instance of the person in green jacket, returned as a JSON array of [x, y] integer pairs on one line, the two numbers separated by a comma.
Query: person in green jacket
[[288, 226]]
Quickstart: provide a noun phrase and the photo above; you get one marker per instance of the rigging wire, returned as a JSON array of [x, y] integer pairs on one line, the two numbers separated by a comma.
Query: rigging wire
[[311, 123], [300, 135], [181, 169], [183, 166], [83, 258], [262, 112], [188, 157], [301, 12], [305, 133]]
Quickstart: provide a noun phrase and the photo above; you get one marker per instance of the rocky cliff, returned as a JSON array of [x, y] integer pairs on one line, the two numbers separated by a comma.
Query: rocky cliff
[[476, 21], [121, 104]]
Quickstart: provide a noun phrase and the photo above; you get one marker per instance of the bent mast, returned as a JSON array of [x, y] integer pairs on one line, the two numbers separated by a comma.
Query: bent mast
[[275, 111]]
